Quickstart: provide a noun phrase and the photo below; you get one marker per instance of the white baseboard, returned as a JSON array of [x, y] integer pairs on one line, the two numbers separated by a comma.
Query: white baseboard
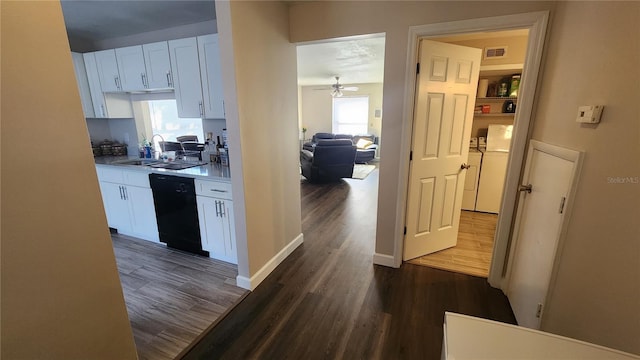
[[384, 260], [260, 275]]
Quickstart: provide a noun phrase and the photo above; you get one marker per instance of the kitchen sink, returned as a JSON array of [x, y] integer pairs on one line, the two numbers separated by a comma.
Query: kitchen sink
[[137, 162], [175, 165], [157, 164]]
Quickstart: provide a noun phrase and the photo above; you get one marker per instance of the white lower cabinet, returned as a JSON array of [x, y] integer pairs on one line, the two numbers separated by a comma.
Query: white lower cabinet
[[215, 214], [116, 206], [142, 212], [128, 202]]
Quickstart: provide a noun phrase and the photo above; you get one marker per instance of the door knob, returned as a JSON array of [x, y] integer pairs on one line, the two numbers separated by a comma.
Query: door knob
[[526, 188], [464, 166]]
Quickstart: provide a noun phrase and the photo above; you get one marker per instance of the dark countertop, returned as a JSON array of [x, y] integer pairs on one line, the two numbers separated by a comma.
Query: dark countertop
[[203, 172]]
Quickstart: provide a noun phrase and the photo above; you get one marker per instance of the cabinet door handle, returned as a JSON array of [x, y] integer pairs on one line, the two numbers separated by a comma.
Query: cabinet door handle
[[217, 211], [121, 196], [169, 82], [218, 190], [124, 190], [115, 80], [222, 208], [201, 108], [104, 113], [144, 83]]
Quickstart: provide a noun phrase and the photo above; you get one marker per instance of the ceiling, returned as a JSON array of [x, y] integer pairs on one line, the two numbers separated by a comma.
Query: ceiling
[[357, 60], [94, 20]]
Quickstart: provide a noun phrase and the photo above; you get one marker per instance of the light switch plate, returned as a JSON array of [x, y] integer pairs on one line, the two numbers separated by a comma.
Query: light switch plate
[[589, 114]]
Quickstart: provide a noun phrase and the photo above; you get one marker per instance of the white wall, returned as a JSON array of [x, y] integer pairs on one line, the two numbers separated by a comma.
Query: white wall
[[516, 48], [257, 58], [516, 52], [98, 130], [317, 107], [215, 126], [177, 32], [312, 21], [61, 295], [592, 57]]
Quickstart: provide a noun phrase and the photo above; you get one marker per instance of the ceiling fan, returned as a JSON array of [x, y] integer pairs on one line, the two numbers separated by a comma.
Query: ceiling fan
[[337, 88]]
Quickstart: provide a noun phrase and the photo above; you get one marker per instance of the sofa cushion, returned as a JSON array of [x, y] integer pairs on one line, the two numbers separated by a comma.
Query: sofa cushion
[[370, 137], [363, 143], [332, 159], [317, 136], [343, 136], [334, 142], [364, 155]]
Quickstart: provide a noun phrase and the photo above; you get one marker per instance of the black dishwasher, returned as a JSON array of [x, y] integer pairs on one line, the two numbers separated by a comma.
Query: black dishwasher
[[174, 198]]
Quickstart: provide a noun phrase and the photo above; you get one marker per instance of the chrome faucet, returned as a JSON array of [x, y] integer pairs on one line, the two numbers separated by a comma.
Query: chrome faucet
[[161, 145], [184, 152]]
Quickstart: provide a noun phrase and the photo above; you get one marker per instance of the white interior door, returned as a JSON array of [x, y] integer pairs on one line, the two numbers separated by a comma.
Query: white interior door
[[551, 171], [445, 97]]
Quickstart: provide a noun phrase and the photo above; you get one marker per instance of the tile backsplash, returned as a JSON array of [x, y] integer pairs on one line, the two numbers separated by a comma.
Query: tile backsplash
[[120, 130]]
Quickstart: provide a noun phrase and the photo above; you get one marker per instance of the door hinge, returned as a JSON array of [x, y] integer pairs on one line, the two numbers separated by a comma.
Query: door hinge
[[410, 155], [539, 310], [561, 210], [405, 230], [418, 68]]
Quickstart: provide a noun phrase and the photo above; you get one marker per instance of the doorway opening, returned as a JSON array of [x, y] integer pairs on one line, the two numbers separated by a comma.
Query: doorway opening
[[340, 84], [536, 23], [502, 62]]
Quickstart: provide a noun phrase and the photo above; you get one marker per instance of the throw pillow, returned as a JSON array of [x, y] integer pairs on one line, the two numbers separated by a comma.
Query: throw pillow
[[363, 143]]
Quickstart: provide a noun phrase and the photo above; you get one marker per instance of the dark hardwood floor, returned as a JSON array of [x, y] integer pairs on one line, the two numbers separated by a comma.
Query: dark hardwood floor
[[172, 297], [328, 301]]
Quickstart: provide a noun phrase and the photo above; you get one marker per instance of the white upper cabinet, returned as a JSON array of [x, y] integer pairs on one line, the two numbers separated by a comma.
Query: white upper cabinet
[[186, 77], [190, 66], [105, 105], [131, 68], [107, 66], [144, 67], [158, 65], [211, 76], [83, 84], [97, 98]]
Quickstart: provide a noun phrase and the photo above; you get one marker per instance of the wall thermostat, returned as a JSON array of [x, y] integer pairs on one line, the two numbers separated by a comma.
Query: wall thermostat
[[589, 114]]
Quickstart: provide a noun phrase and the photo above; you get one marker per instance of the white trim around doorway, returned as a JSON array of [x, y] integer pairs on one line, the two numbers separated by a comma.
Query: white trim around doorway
[[536, 22]]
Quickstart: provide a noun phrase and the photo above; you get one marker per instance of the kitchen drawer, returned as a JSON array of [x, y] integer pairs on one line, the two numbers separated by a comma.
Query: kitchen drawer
[[220, 190], [110, 175], [137, 178]]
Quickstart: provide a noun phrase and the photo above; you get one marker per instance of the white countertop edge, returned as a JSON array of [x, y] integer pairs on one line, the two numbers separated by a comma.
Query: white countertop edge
[[204, 172]]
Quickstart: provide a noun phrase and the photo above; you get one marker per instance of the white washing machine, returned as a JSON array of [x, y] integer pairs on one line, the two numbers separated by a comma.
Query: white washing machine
[[494, 168], [491, 184]]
